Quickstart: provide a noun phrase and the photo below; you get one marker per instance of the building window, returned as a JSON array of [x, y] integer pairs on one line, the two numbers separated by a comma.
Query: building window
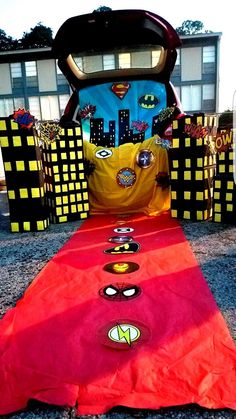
[[49, 107], [208, 97], [6, 107], [191, 98], [108, 62], [31, 74], [63, 100], [61, 79], [208, 59], [176, 70], [34, 107], [124, 60], [16, 75]]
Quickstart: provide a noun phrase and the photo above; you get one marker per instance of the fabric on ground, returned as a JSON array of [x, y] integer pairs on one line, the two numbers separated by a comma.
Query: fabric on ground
[[145, 339]]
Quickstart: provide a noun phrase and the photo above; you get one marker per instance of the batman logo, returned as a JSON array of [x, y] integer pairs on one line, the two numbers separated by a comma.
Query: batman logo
[[148, 101], [132, 247]]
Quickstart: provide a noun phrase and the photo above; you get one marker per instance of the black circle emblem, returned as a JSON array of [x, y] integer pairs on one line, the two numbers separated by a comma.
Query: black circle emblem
[[120, 291], [145, 158]]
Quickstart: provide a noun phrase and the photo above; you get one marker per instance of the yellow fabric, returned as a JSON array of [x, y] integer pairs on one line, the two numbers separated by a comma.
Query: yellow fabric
[[106, 196]]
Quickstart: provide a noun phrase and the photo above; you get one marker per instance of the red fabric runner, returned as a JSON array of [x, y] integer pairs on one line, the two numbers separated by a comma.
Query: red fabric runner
[[69, 341]]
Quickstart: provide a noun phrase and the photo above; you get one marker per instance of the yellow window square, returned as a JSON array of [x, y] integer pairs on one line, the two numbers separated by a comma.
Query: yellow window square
[[77, 185], [65, 177], [65, 168], [40, 225], [173, 195], [65, 199], [15, 227], [73, 176], [64, 187], [72, 198], [72, 155], [187, 142], [221, 168], [175, 164], [81, 166], [83, 215], [62, 143], [71, 186], [73, 208], [78, 131], [58, 200], [70, 132], [85, 195], [23, 193], [63, 219], [78, 197], [218, 184], [230, 184], [229, 207], [59, 211], [16, 141], [71, 143], [86, 206], [174, 175], [20, 165], [33, 165], [229, 197], [199, 141], [187, 175], [54, 157], [66, 210], [200, 215], [14, 125], [175, 124], [72, 167], [175, 143], [3, 126], [79, 143], [84, 185], [57, 178], [79, 154], [4, 141], [53, 145], [63, 156], [80, 207], [35, 192], [199, 196], [187, 162], [57, 188], [217, 207], [174, 213], [186, 215], [216, 195], [7, 166], [217, 218], [55, 169], [199, 162], [187, 195], [11, 194], [198, 175]]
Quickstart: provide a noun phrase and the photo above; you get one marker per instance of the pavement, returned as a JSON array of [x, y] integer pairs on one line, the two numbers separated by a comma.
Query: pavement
[[23, 255]]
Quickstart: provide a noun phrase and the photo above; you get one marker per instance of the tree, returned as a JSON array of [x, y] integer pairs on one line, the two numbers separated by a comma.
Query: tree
[[103, 9], [7, 42], [191, 27], [38, 37]]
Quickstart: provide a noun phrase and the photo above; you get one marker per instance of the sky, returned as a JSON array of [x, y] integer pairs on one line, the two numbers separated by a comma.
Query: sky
[[19, 16]]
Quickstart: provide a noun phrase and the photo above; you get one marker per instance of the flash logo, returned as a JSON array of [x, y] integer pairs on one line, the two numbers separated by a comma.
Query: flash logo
[[124, 333]]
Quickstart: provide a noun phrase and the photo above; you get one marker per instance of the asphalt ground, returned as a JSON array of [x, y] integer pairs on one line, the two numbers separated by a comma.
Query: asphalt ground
[[23, 255]]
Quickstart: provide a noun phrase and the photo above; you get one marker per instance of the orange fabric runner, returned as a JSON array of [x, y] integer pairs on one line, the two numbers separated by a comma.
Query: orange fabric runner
[[149, 338]]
